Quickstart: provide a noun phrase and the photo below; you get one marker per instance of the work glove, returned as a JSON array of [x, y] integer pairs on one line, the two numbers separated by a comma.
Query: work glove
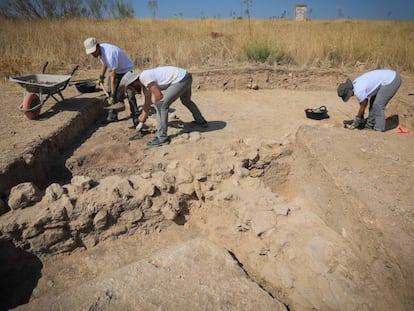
[[359, 123], [100, 80], [139, 126], [111, 99]]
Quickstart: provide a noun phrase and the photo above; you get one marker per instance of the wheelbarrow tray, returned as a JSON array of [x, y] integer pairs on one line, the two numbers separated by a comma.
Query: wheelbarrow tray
[[42, 83]]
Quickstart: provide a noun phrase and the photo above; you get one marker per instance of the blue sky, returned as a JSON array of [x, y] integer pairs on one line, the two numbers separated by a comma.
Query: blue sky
[[321, 9]]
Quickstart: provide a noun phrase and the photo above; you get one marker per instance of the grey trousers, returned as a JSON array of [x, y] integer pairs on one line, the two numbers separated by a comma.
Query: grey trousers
[[180, 90], [376, 116]]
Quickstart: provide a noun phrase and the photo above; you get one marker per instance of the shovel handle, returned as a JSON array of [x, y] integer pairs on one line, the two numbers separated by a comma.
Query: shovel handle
[[104, 89]]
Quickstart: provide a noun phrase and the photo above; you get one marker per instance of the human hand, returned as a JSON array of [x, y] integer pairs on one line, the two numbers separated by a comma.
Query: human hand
[[359, 123], [139, 126], [111, 99], [100, 80]]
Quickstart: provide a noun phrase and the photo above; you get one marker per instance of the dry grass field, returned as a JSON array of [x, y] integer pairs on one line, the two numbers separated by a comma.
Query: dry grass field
[[26, 44], [317, 216]]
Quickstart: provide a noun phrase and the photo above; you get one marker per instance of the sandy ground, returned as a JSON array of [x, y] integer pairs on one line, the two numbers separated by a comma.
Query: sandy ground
[[235, 114]]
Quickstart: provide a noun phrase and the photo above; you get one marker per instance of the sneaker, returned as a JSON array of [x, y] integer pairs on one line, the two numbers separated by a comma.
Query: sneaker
[[203, 124], [368, 127], [156, 142], [136, 136]]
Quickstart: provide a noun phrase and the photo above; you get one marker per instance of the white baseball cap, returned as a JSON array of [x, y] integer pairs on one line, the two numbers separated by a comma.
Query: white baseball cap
[[90, 45]]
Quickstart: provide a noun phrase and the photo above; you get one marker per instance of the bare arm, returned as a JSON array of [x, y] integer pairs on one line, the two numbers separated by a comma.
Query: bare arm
[[148, 93], [103, 72], [153, 87], [362, 107], [112, 75], [147, 105]]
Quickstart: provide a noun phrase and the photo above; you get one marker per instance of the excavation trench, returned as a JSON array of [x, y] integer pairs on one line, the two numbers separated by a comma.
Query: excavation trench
[[266, 190]]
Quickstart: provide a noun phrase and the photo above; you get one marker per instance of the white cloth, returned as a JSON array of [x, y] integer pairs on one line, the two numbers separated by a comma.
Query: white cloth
[[163, 76], [115, 59], [368, 84]]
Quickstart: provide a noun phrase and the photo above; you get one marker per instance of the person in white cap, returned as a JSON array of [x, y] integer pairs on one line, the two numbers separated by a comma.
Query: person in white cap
[[377, 87], [115, 61], [166, 84]]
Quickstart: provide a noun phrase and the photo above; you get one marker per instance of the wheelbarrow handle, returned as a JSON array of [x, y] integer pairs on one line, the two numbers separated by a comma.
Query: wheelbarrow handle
[[74, 69], [71, 74], [44, 67]]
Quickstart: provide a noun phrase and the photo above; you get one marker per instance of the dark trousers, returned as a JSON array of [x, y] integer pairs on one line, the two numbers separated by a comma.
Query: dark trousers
[[133, 107]]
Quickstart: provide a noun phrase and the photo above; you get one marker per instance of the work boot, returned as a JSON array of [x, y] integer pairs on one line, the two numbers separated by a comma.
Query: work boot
[[112, 116]]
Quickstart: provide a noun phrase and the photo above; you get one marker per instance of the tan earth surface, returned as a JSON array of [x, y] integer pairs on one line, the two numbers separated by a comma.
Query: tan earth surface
[[325, 223]]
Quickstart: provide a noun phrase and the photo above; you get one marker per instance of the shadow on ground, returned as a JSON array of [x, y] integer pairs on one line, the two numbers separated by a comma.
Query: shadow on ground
[[19, 274], [392, 122]]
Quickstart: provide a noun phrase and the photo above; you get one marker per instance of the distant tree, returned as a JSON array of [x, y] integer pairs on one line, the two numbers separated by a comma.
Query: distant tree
[[389, 14], [66, 8], [248, 4], [283, 15], [153, 6], [97, 9], [71, 8], [121, 9]]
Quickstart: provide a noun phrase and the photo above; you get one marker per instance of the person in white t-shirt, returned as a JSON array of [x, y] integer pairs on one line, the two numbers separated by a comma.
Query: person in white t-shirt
[[166, 84], [116, 62], [377, 87]]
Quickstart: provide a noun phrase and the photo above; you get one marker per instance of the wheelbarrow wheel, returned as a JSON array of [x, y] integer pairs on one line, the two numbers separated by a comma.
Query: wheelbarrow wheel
[[30, 101]]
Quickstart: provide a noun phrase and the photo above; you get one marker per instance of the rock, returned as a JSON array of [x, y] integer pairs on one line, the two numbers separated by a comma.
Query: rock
[[194, 136], [187, 189], [50, 215], [82, 223], [63, 246], [171, 208], [242, 172], [100, 220], [114, 231], [42, 243], [221, 170], [197, 189], [28, 158], [132, 217], [183, 176], [24, 195], [53, 192], [81, 184]]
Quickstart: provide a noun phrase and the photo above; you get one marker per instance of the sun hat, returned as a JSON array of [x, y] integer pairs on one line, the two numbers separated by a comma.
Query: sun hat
[[128, 78], [345, 90], [90, 45]]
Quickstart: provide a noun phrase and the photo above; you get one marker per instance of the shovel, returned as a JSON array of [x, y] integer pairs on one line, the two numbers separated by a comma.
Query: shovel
[[117, 106]]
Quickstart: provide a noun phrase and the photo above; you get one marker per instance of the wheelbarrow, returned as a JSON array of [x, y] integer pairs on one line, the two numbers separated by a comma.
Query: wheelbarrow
[[37, 88]]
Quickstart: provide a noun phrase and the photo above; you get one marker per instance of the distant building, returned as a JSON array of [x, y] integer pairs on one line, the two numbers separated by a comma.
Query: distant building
[[300, 12]]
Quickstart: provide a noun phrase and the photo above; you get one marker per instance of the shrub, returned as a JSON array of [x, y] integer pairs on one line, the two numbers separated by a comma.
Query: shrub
[[262, 52]]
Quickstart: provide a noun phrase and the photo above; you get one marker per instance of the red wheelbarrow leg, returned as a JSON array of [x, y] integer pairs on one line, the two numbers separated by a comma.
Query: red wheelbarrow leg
[[30, 101]]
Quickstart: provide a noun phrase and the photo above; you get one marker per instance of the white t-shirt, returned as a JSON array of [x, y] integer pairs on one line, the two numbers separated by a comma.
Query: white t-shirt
[[368, 84], [115, 59], [163, 76]]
